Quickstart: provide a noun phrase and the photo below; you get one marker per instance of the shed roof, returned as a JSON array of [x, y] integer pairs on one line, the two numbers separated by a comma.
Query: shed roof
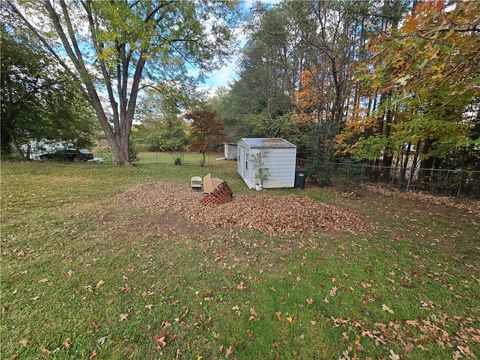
[[263, 143]]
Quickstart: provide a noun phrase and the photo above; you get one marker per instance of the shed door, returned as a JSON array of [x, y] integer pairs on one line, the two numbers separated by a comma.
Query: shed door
[[243, 161], [240, 160]]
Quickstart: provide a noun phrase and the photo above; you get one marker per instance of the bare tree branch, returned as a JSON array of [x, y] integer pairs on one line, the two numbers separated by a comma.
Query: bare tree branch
[[44, 42]]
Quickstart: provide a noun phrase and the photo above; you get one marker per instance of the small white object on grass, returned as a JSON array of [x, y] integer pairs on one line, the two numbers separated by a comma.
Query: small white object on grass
[[196, 182]]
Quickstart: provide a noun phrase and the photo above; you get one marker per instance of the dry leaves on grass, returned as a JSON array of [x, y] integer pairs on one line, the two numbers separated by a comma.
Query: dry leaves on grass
[[229, 352], [102, 340], [267, 214], [161, 339], [472, 207], [241, 286], [126, 288], [387, 309], [455, 333], [253, 315], [94, 326], [23, 342], [67, 344], [393, 356]]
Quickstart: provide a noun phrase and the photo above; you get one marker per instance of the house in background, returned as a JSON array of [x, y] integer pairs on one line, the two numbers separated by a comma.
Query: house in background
[[266, 162]]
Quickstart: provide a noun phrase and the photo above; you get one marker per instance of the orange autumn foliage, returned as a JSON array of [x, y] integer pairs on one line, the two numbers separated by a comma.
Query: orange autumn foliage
[[306, 97], [357, 123]]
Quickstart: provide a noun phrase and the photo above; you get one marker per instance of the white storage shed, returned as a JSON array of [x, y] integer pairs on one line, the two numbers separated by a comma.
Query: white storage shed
[[230, 150], [270, 161]]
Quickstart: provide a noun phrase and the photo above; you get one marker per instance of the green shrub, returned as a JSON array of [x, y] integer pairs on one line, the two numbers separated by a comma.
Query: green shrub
[[178, 160], [132, 152]]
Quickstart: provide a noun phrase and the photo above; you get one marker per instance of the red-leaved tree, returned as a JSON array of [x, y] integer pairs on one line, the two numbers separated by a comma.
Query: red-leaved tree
[[206, 130]]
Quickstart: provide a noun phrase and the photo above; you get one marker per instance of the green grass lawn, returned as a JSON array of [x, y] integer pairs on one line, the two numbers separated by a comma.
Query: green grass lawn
[[191, 158], [85, 277]]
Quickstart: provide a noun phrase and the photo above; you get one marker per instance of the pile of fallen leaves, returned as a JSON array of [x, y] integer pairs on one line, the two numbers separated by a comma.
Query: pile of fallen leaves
[[267, 214]]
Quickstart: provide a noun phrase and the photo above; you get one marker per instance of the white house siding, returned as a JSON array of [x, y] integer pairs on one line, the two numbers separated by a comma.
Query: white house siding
[[281, 167]]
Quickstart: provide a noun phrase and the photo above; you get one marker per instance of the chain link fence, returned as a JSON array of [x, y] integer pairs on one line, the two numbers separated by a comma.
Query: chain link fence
[[186, 158], [351, 176]]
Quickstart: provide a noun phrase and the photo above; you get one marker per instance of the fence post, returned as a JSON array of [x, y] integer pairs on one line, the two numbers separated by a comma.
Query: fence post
[[460, 182], [409, 177]]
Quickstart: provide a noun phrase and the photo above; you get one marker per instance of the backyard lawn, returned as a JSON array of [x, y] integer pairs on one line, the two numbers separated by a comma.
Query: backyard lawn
[[86, 276]]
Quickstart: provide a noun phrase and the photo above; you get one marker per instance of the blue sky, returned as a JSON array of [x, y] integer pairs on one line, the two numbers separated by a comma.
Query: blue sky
[[228, 72]]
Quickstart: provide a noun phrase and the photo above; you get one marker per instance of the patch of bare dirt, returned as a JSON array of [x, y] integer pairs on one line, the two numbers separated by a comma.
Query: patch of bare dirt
[[270, 215], [164, 223]]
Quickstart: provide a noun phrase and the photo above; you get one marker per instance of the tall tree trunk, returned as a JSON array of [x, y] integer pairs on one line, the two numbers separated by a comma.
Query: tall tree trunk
[[387, 158], [405, 162], [29, 151], [414, 162], [6, 141]]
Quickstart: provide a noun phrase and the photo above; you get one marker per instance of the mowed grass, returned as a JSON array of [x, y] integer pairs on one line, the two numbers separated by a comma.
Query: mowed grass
[[192, 158], [86, 277]]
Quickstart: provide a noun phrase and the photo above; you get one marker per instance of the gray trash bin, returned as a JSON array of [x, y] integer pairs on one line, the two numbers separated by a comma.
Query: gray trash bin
[[300, 178]]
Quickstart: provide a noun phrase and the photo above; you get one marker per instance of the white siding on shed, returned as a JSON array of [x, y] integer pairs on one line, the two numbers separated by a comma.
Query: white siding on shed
[[280, 162], [281, 167]]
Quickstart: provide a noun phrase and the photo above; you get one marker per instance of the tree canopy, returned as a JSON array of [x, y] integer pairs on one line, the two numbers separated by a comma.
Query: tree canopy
[[117, 48], [389, 83], [39, 101]]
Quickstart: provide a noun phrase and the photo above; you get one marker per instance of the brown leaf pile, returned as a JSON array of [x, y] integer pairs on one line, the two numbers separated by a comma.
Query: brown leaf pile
[[267, 214]]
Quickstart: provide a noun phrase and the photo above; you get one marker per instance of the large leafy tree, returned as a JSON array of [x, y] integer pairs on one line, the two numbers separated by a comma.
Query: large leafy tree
[[429, 70], [39, 101], [259, 101], [116, 48]]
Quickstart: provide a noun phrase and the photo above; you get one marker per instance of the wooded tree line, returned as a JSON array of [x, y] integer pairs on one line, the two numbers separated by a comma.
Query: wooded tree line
[[385, 82], [391, 82], [163, 127]]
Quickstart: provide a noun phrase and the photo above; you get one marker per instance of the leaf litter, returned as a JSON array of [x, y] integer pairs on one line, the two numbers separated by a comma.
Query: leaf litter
[[451, 332], [271, 215]]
